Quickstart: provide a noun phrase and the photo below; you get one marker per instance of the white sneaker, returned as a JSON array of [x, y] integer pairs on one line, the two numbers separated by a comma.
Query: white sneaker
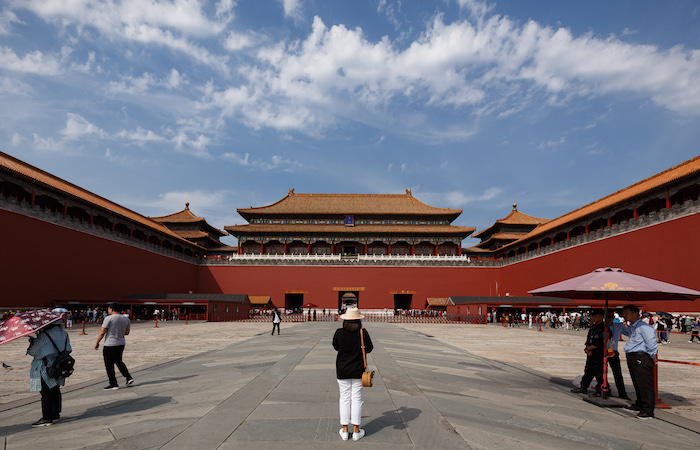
[[358, 436], [343, 435]]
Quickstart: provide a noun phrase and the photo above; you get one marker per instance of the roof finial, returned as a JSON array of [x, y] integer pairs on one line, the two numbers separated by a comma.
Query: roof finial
[[187, 205], [515, 206], [291, 191], [408, 192]]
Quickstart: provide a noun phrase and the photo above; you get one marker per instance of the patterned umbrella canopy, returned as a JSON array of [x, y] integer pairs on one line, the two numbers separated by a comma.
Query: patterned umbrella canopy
[[24, 324], [615, 284]]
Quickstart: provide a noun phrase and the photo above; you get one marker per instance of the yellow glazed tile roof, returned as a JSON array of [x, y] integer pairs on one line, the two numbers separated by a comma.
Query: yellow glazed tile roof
[[28, 171], [324, 204]]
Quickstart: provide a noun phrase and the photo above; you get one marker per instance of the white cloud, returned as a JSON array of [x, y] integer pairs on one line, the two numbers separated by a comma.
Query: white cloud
[[236, 158], [11, 86], [15, 140], [170, 23], [86, 67], [142, 84], [292, 8], [47, 144], [7, 18], [489, 66], [35, 62], [140, 136], [458, 199], [237, 41], [276, 162], [552, 143], [78, 127], [170, 202]]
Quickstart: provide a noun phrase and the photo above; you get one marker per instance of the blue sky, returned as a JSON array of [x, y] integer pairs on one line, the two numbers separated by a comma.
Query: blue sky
[[471, 105]]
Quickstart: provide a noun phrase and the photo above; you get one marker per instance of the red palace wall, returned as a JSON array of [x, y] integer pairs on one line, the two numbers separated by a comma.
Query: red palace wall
[[668, 252], [377, 281], [42, 262]]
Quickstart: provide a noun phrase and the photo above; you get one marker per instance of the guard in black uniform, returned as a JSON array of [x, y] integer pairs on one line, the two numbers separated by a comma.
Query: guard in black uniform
[[595, 344]]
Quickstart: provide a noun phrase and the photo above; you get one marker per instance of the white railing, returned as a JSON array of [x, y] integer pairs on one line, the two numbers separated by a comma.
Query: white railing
[[345, 257]]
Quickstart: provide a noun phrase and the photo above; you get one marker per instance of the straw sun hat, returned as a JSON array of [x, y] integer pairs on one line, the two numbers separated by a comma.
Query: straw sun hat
[[352, 314]]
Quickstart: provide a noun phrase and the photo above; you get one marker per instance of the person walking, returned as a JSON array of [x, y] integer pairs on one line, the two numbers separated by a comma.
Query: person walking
[[114, 328], [641, 348], [276, 319], [694, 330], [349, 365], [45, 353]]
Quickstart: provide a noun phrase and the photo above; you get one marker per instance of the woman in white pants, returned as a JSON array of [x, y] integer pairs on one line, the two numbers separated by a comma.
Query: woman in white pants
[[349, 366]]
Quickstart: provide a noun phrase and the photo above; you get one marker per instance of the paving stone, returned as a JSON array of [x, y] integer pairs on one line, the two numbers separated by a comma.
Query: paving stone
[[281, 393]]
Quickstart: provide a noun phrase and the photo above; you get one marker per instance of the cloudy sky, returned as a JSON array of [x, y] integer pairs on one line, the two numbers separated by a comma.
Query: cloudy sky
[[471, 105]]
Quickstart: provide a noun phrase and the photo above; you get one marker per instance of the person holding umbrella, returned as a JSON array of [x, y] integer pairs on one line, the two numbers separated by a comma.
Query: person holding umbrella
[[641, 348], [45, 352]]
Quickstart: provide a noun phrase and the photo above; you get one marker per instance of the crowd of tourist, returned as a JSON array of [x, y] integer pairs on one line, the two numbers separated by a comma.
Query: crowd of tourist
[[664, 323]]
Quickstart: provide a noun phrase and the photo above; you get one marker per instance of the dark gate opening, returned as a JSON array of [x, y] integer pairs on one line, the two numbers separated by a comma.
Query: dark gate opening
[[402, 301], [293, 301], [348, 299]]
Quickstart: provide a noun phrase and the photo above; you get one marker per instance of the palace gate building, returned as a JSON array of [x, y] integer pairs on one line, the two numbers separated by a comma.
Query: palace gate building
[[62, 243]]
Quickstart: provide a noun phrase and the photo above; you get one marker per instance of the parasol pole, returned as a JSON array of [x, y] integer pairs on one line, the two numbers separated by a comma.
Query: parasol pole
[[605, 389]]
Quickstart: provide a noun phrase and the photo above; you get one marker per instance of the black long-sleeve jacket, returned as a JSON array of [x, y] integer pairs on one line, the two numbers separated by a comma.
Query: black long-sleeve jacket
[[348, 363]]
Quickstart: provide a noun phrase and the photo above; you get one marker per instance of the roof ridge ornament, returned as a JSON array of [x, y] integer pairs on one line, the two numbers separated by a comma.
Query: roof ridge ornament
[[408, 192], [515, 206], [187, 205], [291, 191]]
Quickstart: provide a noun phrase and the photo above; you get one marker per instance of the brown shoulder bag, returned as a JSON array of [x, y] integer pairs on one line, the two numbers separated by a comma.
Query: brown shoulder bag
[[366, 375]]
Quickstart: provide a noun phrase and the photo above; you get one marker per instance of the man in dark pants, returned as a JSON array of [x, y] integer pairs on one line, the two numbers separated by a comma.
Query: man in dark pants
[[614, 359], [641, 350], [595, 343], [114, 328]]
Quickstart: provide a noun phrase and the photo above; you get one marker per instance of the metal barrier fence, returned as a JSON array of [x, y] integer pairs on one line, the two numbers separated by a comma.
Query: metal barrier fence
[[390, 318]]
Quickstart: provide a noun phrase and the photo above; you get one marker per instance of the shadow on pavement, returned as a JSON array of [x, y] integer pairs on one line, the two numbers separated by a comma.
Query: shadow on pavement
[[163, 380], [397, 418], [122, 407]]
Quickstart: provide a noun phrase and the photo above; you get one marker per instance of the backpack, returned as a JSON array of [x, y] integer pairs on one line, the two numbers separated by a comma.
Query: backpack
[[62, 367]]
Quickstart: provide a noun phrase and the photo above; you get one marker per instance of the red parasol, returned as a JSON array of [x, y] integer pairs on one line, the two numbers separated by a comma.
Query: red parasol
[[615, 284], [24, 324]]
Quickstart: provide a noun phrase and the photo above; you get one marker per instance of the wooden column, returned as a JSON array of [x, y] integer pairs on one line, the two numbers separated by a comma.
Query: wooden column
[[459, 250], [586, 228], [668, 201], [388, 251], [609, 224], [308, 249], [332, 249], [413, 249], [262, 249], [65, 208], [365, 249], [436, 249], [635, 214], [33, 199], [285, 248]]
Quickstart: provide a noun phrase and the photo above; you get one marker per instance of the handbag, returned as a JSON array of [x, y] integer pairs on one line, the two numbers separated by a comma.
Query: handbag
[[366, 375]]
